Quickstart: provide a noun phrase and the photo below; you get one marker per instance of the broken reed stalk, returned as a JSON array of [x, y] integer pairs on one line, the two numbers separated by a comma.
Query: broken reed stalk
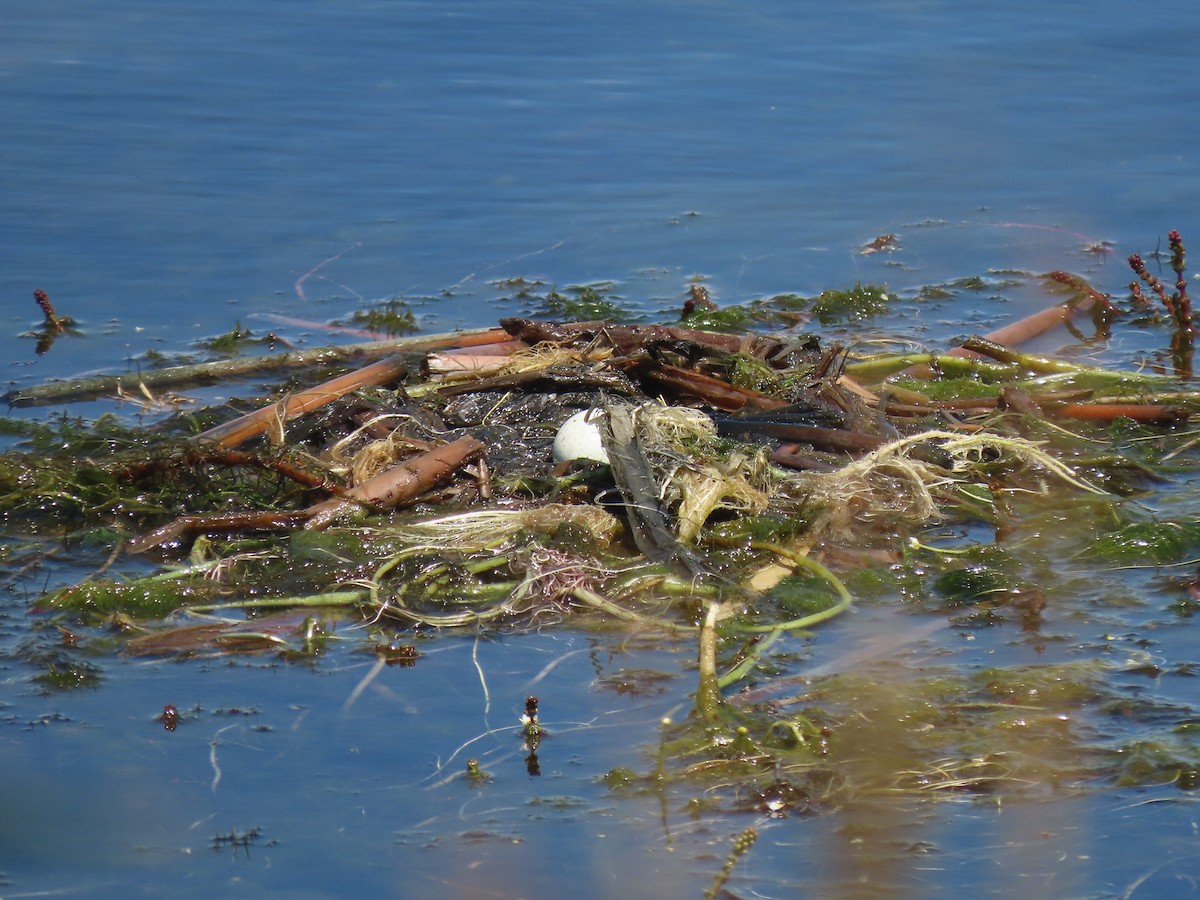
[[1143, 413], [398, 484], [401, 482], [1038, 323], [241, 429], [1028, 328], [100, 385]]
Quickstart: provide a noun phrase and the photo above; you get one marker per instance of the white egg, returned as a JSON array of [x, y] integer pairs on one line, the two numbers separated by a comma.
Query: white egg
[[579, 438]]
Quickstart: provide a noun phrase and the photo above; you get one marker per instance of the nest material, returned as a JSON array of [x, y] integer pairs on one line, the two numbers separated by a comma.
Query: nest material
[[696, 476], [889, 487], [472, 531]]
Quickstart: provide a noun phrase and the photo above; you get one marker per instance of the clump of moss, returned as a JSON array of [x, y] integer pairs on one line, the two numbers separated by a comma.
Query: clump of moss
[[830, 307], [862, 301], [579, 303], [1174, 760], [392, 317], [236, 340], [972, 583], [144, 598], [730, 319], [1147, 543], [68, 676]]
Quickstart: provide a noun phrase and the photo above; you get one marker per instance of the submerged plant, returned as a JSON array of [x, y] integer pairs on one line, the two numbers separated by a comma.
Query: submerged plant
[[391, 317], [598, 301], [741, 846]]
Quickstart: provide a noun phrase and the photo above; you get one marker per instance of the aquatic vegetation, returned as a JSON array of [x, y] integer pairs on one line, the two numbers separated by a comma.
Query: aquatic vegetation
[[831, 307], [70, 677], [598, 301], [741, 846], [1178, 304], [53, 326], [143, 598], [391, 317], [1147, 543], [850, 306]]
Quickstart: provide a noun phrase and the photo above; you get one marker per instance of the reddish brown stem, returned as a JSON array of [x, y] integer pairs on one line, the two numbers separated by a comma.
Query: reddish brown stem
[[826, 438], [1139, 266], [626, 339], [1179, 264], [253, 424], [200, 455], [403, 481], [1037, 324], [52, 318], [187, 526], [1145, 413], [721, 394]]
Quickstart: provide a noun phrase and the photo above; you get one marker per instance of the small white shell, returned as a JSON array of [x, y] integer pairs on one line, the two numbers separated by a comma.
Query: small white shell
[[579, 438]]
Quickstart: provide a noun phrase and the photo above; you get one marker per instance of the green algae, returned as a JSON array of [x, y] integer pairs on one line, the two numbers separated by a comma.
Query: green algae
[[597, 301], [143, 598], [1151, 542], [847, 307], [394, 317]]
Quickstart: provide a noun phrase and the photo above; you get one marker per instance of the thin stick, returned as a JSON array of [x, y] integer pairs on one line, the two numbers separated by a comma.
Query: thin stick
[[299, 285], [212, 756], [100, 385]]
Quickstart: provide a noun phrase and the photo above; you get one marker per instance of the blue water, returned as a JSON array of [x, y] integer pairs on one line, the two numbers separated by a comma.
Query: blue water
[[172, 170]]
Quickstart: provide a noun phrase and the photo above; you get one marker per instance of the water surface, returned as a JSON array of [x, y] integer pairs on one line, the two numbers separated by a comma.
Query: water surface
[[170, 172]]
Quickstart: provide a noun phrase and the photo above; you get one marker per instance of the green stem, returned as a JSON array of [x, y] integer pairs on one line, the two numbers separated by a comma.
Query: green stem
[[1041, 364], [710, 704], [845, 600], [332, 598], [591, 598], [742, 669], [877, 368], [86, 388]]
